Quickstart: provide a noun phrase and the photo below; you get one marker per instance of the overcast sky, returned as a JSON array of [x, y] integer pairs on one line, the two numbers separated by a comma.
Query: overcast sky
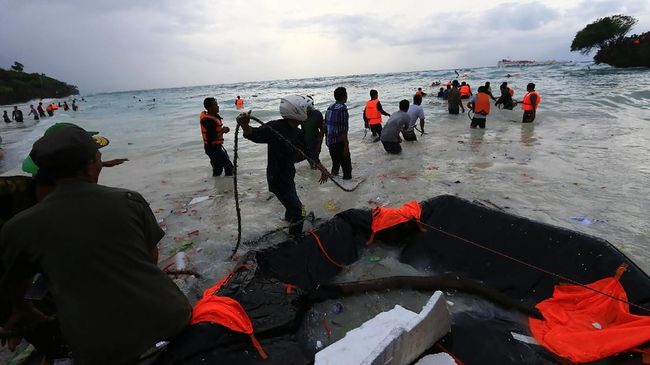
[[109, 45]]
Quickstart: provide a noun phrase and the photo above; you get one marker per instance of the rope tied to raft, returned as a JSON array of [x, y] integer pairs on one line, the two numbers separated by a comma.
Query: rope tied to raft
[[619, 272], [294, 147]]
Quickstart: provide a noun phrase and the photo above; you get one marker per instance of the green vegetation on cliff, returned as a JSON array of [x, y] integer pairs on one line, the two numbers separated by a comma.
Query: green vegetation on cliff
[[608, 35], [17, 86]]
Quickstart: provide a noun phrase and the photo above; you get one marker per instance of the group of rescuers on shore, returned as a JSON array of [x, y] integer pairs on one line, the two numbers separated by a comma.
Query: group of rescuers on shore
[[107, 301]]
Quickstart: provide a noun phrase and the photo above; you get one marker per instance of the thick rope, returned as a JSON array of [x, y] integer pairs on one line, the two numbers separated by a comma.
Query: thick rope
[[234, 171], [304, 155], [236, 191]]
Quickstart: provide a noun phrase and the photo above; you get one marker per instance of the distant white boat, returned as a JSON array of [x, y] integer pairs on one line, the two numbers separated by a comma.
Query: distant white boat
[[521, 63]]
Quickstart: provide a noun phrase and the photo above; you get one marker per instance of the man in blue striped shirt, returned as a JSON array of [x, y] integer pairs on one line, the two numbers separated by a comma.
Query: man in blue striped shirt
[[336, 120]]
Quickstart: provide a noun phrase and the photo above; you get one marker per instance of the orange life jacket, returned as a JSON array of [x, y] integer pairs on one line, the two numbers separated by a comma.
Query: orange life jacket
[[383, 218], [512, 92], [225, 311], [372, 112], [465, 90], [583, 325], [218, 128], [526, 105], [239, 102], [482, 104], [55, 106]]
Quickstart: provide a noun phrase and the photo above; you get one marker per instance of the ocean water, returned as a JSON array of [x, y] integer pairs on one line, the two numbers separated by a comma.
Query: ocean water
[[587, 155]]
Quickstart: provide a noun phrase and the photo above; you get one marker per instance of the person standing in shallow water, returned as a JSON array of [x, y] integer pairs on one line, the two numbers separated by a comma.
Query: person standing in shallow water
[[506, 97], [41, 112], [337, 122], [239, 102], [212, 131], [415, 112], [314, 131], [281, 156], [5, 117], [453, 99], [372, 114], [480, 105], [397, 123], [17, 115], [488, 90], [33, 111], [529, 103]]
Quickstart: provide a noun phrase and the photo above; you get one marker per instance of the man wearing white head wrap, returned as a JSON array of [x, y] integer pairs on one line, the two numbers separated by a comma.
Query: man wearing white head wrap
[[280, 170]]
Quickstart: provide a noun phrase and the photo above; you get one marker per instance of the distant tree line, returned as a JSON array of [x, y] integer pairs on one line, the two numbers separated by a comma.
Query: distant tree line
[[17, 86], [615, 48]]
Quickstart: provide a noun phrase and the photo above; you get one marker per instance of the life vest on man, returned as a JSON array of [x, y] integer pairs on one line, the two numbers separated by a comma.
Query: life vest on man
[[526, 105], [383, 218], [55, 106], [511, 91], [218, 128], [482, 104], [239, 103], [49, 108], [372, 112], [465, 91], [225, 311]]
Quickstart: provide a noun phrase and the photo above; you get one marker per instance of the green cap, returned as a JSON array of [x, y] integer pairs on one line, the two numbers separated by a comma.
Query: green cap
[[30, 166]]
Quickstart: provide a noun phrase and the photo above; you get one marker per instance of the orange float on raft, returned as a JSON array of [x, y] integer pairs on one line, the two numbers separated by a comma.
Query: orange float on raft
[[383, 218], [583, 325]]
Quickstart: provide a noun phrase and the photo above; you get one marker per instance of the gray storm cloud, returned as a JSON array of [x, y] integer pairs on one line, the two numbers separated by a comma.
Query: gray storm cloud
[[125, 45]]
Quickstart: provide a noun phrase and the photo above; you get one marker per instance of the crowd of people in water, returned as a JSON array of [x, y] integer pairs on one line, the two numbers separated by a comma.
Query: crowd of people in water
[[304, 127], [40, 112], [101, 298]]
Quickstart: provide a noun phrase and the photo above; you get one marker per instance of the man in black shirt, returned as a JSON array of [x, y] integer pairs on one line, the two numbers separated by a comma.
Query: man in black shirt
[[96, 246], [17, 115], [282, 155]]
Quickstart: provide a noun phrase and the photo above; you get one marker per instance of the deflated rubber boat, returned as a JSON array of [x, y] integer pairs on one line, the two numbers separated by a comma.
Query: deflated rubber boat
[[561, 296]]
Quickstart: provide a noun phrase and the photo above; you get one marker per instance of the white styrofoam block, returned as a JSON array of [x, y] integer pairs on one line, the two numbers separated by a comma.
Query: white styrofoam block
[[441, 358], [397, 336], [361, 341]]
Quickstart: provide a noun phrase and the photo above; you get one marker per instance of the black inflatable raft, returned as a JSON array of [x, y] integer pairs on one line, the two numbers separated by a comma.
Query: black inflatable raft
[[263, 277]]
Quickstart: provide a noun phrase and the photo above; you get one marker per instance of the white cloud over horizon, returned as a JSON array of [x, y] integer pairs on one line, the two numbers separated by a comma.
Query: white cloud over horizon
[[142, 44]]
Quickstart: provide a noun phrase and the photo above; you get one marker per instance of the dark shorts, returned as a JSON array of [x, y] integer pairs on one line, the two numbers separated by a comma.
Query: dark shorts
[[376, 129], [392, 147], [480, 122], [219, 160], [528, 117], [410, 135]]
